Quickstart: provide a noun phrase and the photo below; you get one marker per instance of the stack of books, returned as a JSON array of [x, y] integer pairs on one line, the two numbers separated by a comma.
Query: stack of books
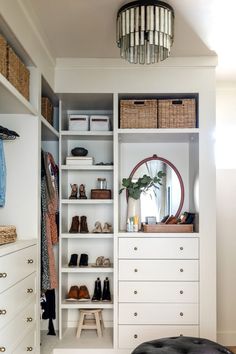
[[79, 160]]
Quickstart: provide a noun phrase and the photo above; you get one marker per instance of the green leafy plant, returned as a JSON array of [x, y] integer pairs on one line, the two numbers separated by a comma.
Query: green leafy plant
[[135, 189]]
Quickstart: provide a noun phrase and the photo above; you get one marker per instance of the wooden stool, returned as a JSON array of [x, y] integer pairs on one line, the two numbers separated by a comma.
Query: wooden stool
[[98, 321]]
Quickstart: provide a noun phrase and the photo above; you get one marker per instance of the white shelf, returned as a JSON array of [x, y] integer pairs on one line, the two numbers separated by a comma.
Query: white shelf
[[86, 305], [88, 269], [87, 135], [152, 234], [12, 101], [158, 135], [86, 201], [87, 236], [87, 168], [49, 133]]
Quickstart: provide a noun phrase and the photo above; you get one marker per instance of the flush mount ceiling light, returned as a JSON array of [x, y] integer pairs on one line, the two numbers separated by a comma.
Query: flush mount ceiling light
[[145, 31]]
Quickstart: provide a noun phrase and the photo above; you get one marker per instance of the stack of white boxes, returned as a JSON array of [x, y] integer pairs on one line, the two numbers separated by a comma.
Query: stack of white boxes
[[81, 122]]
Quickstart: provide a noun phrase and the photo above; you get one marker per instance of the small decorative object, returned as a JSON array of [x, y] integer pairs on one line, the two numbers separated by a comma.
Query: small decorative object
[[98, 227], [101, 183], [100, 194], [79, 151], [151, 220], [74, 191], [83, 225], [134, 190], [82, 194], [7, 234]]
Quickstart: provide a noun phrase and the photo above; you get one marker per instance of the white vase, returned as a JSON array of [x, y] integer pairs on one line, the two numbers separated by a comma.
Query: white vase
[[133, 210]]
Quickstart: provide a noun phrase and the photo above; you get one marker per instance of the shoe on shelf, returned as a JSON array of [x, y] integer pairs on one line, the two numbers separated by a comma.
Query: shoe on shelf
[[107, 228], [99, 261], [106, 295], [73, 294], [97, 295], [74, 229], [83, 293], [98, 228], [83, 225], [106, 262], [83, 261], [73, 260]]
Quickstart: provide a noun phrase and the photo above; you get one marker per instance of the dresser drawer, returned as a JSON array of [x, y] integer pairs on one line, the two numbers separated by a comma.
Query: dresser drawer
[[15, 298], [158, 248], [28, 344], [166, 270], [11, 334], [16, 266], [176, 314], [175, 292], [132, 336]]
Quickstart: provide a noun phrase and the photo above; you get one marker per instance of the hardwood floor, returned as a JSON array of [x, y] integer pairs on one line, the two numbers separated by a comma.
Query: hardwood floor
[[233, 349]]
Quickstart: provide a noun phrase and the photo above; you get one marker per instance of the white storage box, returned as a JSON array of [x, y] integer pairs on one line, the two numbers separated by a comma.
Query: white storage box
[[78, 122], [99, 123], [79, 160]]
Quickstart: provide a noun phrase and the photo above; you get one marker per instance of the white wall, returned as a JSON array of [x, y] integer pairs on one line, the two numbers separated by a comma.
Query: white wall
[[226, 212]]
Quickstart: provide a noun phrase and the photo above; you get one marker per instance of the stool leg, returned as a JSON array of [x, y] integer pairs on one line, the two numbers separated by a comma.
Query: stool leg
[[102, 322], [98, 324], [80, 324]]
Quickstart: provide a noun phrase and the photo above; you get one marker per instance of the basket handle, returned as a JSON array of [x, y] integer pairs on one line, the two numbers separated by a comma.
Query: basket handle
[[139, 102], [177, 102]]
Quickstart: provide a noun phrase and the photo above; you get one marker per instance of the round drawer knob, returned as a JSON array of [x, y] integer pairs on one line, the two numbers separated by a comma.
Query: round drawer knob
[[30, 261], [135, 314], [181, 314], [136, 270], [135, 292], [3, 275], [181, 335], [135, 248], [29, 349], [181, 292], [181, 248], [135, 336], [29, 291], [3, 312], [29, 319], [2, 349], [181, 270]]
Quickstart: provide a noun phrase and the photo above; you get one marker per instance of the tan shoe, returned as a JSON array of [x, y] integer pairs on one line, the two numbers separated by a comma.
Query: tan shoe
[[73, 294], [98, 228], [84, 293]]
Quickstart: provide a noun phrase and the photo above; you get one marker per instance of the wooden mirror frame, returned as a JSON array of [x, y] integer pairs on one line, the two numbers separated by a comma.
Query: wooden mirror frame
[[155, 157]]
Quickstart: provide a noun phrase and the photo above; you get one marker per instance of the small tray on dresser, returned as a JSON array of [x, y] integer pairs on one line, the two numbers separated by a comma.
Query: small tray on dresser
[[168, 228]]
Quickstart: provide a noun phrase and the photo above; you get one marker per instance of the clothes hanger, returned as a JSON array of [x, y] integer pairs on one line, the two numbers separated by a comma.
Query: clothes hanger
[[6, 134]]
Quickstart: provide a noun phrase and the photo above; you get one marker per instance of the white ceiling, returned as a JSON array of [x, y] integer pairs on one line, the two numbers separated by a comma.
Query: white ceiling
[[86, 29]]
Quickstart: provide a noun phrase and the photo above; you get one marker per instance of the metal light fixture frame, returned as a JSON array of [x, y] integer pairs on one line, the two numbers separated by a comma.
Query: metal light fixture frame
[[145, 31]]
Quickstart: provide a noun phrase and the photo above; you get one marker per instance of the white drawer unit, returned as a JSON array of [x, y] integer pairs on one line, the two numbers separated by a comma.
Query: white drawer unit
[[15, 329], [160, 270], [163, 314], [166, 292], [15, 298], [28, 344], [16, 266], [158, 248], [132, 336]]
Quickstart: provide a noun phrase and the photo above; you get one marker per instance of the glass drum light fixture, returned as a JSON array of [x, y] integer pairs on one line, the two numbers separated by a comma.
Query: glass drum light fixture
[[145, 31]]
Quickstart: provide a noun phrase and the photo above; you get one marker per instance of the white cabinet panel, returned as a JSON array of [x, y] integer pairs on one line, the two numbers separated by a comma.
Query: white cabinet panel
[[132, 336], [158, 248], [181, 314], [27, 344], [166, 270], [16, 266], [175, 292], [15, 298]]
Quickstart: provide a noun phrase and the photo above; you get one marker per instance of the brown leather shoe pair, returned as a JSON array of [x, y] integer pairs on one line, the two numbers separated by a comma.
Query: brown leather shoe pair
[[78, 293], [79, 225]]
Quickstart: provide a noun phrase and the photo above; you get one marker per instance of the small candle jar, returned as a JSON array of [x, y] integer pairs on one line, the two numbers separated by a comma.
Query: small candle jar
[[101, 183]]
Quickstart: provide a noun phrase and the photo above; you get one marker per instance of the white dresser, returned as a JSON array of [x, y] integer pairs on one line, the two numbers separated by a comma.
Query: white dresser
[[18, 288], [158, 288]]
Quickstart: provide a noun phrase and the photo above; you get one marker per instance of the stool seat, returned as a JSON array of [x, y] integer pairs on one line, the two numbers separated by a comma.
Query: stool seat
[[181, 345], [97, 321]]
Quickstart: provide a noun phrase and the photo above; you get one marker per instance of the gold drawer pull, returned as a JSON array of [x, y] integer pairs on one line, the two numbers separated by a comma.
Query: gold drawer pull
[[181, 270], [3, 312], [135, 248], [135, 336], [3, 275], [135, 292], [30, 290], [181, 292], [135, 314], [2, 349], [181, 248], [30, 261], [29, 349], [181, 314], [29, 319], [136, 270]]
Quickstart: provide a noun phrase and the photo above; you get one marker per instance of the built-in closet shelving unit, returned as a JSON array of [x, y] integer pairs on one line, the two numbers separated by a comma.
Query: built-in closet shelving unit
[[100, 146]]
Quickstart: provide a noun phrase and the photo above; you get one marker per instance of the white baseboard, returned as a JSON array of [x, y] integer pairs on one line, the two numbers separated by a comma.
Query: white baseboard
[[227, 338]]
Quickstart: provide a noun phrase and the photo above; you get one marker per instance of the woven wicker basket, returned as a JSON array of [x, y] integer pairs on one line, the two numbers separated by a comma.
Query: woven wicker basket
[[47, 109], [138, 114], [3, 56], [7, 234], [179, 113], [13, 68], [24, 77]]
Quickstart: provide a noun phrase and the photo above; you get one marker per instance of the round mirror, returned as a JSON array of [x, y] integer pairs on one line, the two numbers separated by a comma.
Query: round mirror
[[160, 200]]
